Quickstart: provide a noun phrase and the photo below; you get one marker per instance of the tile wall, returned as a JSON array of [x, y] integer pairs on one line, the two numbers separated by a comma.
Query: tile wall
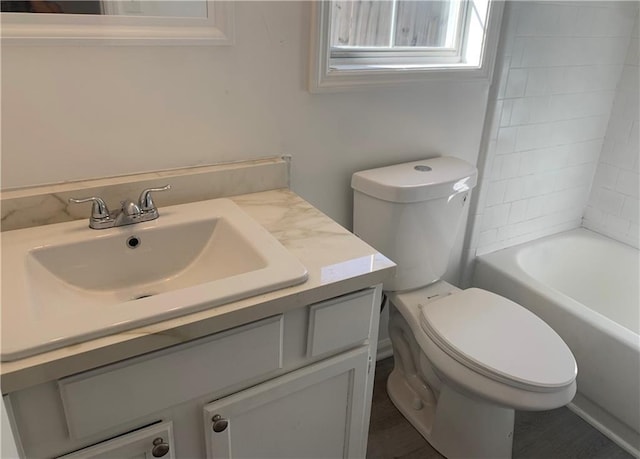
[[558, 68], [613, 205]]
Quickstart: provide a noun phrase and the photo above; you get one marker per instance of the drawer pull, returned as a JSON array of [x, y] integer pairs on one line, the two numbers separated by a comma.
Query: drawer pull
[[160, 447], [219, 423]]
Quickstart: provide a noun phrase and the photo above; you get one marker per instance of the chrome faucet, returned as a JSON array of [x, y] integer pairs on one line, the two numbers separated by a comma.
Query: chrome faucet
[[128, 214]]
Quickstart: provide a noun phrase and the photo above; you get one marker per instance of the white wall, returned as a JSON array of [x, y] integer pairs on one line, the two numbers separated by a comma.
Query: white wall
[[613, 205], [559, 64], [78, 112]]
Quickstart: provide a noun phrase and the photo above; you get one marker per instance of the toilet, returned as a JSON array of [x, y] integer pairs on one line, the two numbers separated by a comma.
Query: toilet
[[465, 360]]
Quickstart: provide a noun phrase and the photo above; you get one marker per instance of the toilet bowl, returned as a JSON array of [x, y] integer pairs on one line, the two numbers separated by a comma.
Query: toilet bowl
[[465, 360], [458, 381]]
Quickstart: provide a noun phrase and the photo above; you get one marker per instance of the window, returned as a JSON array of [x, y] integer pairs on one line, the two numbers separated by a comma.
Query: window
[[358, 42]]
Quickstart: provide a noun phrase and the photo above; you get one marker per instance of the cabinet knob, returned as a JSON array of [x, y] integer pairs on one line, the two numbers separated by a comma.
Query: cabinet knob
[[160, 447], [219, 423]]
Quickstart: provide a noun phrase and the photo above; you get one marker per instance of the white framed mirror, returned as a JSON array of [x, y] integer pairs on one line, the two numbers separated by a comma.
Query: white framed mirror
[[117, 22]]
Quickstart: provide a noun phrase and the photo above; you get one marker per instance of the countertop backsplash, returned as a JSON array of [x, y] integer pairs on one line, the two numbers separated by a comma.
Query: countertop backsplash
[[42, 205]]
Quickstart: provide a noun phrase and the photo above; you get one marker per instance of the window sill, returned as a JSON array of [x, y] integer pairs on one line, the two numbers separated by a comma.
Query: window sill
[[348, 77]]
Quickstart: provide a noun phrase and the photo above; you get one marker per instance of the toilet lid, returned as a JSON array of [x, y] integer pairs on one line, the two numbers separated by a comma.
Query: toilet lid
[[499, 339]]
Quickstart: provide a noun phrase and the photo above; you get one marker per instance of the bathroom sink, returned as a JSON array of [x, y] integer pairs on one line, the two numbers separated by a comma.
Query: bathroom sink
[[65, 283]]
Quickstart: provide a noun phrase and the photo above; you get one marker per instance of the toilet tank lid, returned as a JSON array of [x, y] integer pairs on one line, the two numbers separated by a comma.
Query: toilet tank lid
[[417, 180]]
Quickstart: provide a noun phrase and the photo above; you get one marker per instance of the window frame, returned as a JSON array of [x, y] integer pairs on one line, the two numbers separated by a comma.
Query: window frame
[[333, 74]]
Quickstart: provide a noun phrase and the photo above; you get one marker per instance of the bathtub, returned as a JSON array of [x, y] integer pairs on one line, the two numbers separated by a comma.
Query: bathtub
[[585, 286]]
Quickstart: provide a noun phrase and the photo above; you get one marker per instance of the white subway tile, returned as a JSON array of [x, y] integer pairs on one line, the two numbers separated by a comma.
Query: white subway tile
[[504, 76], [538, 82], [620, 155], [510, 166], [629, 80], [530, 110], [535, 207], [609, 201], [628, 183], [634, 235], [606, 176], [593, 218], [535, 136], [589, 77], [630, 209], [584, 152], [495, 120], [496, 166], [604, 50], [562, 51], [542, 160], [615, 21], [517, 212], [575, 176], [495, 192], [517, 51], [514, 191], [580, 105], [578, 130], [634, 137], [516, 83], [495, 216], [616, 224], [487, 237], [505, 115], [506, 140], [558, 80], [633, 55], [583, 21], [543, 51], [529, 162], [538, 19], [506, 232]]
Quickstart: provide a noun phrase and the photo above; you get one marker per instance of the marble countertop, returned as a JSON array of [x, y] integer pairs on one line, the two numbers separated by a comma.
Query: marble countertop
[[337, 261]]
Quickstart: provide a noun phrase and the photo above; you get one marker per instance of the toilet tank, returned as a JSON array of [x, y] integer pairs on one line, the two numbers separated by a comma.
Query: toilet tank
[[411, 212]]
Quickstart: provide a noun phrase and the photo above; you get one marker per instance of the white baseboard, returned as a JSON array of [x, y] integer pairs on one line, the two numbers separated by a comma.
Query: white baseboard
[[616, 431]]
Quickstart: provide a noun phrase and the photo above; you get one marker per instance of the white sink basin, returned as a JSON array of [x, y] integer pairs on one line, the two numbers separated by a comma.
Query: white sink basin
[[63, 284]]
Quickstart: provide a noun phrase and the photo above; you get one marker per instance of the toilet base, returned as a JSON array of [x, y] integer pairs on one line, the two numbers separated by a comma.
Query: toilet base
[[456, 425]]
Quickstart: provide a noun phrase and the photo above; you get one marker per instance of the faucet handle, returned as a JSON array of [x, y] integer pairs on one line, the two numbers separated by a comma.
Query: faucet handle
[[146, 203], [99, 209]]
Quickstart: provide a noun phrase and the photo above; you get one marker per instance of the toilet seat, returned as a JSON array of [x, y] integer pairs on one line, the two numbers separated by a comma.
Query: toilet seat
[[499, 339]]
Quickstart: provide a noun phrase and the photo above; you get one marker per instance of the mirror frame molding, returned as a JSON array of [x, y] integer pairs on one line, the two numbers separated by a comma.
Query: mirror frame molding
[[84, 29]]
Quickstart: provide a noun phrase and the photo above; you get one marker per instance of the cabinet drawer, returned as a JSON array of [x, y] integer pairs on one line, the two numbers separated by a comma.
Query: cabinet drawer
[[340, 323], [97, 400], [152, 441]]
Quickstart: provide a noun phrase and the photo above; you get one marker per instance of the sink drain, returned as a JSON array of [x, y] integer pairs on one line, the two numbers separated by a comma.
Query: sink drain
[[133, 242]]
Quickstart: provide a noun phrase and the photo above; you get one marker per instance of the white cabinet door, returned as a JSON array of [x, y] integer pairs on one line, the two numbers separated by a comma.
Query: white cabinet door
[[314, 412], [147, 443]]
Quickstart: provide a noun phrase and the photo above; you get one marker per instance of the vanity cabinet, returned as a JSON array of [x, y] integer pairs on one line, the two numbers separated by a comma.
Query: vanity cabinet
[[297, 384]]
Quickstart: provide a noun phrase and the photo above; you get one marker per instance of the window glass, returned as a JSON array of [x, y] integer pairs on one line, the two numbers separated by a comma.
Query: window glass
[[389, 24]]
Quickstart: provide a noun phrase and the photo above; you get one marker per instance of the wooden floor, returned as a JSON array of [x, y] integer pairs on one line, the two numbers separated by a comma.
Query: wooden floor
[[556, 434]]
